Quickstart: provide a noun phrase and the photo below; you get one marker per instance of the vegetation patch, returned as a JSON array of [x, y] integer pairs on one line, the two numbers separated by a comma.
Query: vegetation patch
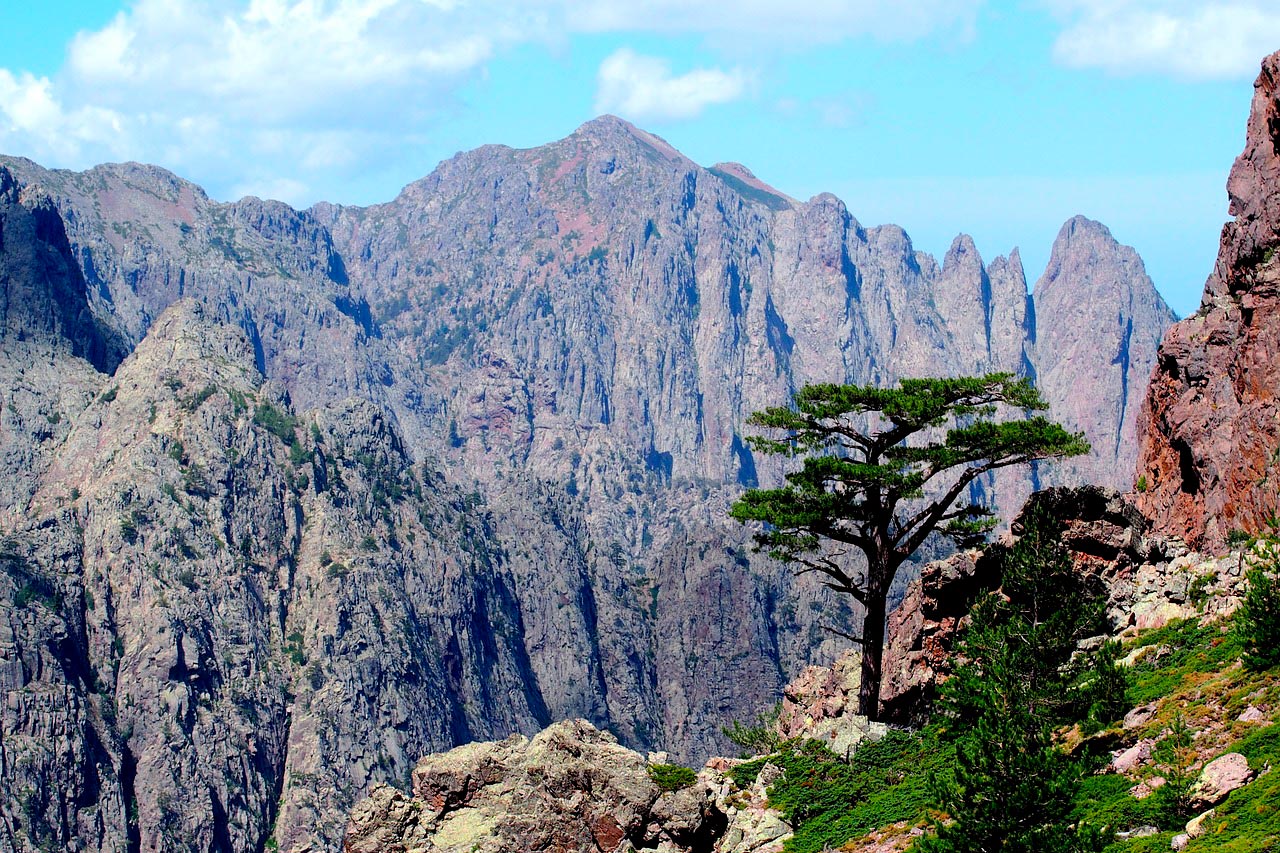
[[276, 421], [830, 801], [672, 777]]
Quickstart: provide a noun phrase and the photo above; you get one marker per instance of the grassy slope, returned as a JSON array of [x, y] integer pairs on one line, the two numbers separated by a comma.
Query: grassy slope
[[1184, 669]]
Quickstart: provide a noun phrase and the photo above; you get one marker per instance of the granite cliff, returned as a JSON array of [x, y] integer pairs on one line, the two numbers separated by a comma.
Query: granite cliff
[[290, 498], [1211, 445]]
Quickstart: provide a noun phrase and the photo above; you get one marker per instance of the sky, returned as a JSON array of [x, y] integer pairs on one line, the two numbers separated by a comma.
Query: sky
[[998, 118]]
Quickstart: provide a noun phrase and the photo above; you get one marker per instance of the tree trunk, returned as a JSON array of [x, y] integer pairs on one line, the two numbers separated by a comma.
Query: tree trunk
[[872, 651]]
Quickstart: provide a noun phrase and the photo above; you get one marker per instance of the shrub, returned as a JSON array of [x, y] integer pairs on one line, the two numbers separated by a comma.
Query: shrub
[[275, 421], [759, 738], [1257, 621], [671, 777]]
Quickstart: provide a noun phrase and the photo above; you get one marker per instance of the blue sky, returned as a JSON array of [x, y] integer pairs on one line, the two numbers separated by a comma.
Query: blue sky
[[1001, 119]]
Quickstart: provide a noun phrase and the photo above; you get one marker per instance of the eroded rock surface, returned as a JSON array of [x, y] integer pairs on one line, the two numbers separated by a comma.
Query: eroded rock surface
[[1211, 421], [570, 788]]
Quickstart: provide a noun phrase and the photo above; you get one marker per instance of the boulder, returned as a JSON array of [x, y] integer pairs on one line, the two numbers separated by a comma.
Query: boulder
[[1220, 777], [822, 704], [571, 788]]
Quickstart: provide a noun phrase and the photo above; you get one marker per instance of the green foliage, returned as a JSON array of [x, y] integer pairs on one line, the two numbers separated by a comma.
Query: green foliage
[[759, 738], [130, 526], [1012, 788], [1106, 688], [1180, 649], [336, 571], [1020, 647], [187, 578], [671, 777], [830, 801], [197, 399], [1238, 536], [293, 648], [1257, 621], [1104, 800], [1012, 791], [877, 477], [1141, 485], [1174, 755], [110, 394], [275, 421], [299, 455], [1198, 590]]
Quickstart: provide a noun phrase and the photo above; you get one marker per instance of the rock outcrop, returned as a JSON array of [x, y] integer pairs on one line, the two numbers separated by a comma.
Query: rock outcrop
[[922, 630], [1146, 578], [571, 788], [822, 704], [1211, 421]]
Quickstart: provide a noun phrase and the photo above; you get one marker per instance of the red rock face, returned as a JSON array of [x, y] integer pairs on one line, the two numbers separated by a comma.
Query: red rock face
[[1210, 452]]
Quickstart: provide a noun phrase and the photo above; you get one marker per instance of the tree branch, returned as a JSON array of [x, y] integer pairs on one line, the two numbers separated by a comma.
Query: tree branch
[[850, 637]]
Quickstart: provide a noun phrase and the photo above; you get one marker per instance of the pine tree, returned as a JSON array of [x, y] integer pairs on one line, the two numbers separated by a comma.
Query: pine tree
[[879, 476], [1021, 677], [1257, 621]]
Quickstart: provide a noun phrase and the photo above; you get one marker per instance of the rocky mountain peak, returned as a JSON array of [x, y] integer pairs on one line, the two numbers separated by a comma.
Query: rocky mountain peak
[[1082, 245], [1098, 319], [963, 253], [610, 131]]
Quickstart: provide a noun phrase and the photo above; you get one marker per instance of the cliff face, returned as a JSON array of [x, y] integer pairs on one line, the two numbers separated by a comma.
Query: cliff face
[[379, 481], [1210, 421]]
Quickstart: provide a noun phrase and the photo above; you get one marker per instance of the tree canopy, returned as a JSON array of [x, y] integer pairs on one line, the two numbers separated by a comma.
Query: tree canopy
[[884, 468]]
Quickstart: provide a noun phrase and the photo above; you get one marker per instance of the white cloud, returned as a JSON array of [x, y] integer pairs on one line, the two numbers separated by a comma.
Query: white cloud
[[1186, 38], [643, 88], [224, 90], [33, 117]]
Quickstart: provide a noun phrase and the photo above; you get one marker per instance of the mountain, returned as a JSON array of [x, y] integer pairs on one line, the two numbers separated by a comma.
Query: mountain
[[291, 497], [1211, 422]]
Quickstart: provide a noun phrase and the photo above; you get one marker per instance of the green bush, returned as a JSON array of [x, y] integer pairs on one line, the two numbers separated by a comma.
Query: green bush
[[830, 801], [671, 777], [1257, 622], [760, 738]]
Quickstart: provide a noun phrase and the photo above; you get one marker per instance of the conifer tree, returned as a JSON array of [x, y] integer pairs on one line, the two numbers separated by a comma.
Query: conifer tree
[[1257, 621], [880, 475], [1021, 677]]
